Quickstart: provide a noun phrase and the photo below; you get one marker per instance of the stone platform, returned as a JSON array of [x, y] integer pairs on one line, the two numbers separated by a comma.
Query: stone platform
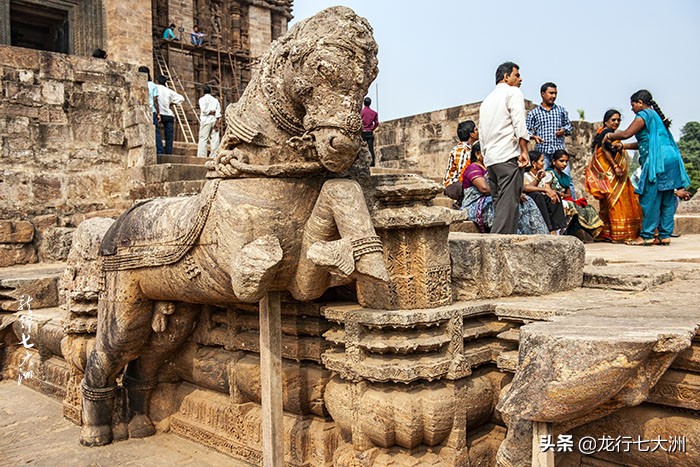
[[635, 290]]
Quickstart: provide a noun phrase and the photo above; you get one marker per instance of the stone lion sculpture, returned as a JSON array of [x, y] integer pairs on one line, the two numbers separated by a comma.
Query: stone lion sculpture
[[268, 218]]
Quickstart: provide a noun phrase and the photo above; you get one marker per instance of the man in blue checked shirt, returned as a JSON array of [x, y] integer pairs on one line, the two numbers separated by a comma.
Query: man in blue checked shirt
[[548, 124]]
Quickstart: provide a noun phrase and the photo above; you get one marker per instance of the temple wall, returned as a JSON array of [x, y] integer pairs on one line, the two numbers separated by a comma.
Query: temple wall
[[75, 132], [259, 30], [128, 31], [421, 142]]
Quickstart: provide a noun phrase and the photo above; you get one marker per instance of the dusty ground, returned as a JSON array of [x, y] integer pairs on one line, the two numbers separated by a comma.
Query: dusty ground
[[33, 432]]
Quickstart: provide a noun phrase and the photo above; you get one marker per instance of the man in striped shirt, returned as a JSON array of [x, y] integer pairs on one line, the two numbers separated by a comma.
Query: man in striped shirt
[[547, 124]]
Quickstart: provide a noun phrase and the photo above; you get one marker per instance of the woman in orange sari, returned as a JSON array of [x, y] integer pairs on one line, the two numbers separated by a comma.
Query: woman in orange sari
[[607, 180]]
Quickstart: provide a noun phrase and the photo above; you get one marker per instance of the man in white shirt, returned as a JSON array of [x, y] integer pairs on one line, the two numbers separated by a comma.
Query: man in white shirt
[[504, 137], [166, 98], [209, 116], [155, 108]]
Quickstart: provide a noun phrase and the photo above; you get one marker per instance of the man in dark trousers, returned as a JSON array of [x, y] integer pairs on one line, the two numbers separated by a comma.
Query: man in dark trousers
[[504, 137], [370, 122]]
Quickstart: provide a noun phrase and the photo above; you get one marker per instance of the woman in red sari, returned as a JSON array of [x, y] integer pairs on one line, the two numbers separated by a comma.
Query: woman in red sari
[[607, 180]]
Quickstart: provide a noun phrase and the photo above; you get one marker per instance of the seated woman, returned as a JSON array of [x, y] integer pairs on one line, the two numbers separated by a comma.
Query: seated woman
[[479, 204], [607, 180], [537, 186], [585, 222]]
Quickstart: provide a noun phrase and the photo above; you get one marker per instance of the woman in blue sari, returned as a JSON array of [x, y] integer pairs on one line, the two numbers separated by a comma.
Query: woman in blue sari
[[662, 167]]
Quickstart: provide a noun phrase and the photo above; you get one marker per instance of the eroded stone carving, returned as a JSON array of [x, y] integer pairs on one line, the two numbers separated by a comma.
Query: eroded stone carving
[[569, 378], [267, 220]]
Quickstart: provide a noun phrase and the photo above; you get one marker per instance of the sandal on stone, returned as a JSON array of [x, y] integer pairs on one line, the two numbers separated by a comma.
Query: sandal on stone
[[665, 242], [640, 242]]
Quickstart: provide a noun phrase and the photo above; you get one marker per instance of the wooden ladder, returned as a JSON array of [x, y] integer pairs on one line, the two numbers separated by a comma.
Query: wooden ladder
[[174, 84]]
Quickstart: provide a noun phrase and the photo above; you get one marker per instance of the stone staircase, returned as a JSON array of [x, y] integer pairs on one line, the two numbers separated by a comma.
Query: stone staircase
[[182, 173]]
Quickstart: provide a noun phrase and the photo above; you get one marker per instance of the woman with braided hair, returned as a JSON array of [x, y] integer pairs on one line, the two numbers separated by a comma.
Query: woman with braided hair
[[663, 171]]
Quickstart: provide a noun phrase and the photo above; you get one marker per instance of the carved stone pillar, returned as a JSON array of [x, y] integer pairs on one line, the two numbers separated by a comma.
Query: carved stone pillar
[[414, 235]]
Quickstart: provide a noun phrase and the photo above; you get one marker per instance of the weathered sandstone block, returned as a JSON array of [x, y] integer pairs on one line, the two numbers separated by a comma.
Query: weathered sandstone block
[[570, 377], [13, 254], [81, 281], [491, 266], [56, 243], [44, 330], [16, 231], [41, 284]]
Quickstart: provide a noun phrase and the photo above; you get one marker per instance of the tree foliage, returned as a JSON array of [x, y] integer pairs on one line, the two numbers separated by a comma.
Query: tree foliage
[[689, 145]]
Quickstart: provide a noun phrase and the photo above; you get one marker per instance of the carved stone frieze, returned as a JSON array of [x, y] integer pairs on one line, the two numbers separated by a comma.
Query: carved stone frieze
[[234, 429], [677, 389]]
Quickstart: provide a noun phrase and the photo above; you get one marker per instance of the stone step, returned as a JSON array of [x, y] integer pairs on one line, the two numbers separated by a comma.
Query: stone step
[[186, 149], [624, 277], [687, 224], [466, 226], [173, 172], [478, 328], [389, 171], [511, 335], [38, 281], [690, 207], [180, 159], [444, 201]]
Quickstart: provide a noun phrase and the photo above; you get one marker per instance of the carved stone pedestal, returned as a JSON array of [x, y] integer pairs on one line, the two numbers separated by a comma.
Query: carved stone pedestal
[[234, 429], [405, 379], [403, 391]]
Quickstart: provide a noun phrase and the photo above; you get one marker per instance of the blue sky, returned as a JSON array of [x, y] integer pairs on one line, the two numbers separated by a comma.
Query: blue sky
[[442, 53]]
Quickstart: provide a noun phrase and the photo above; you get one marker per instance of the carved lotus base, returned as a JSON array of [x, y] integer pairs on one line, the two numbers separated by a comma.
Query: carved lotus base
[[423, 416]]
